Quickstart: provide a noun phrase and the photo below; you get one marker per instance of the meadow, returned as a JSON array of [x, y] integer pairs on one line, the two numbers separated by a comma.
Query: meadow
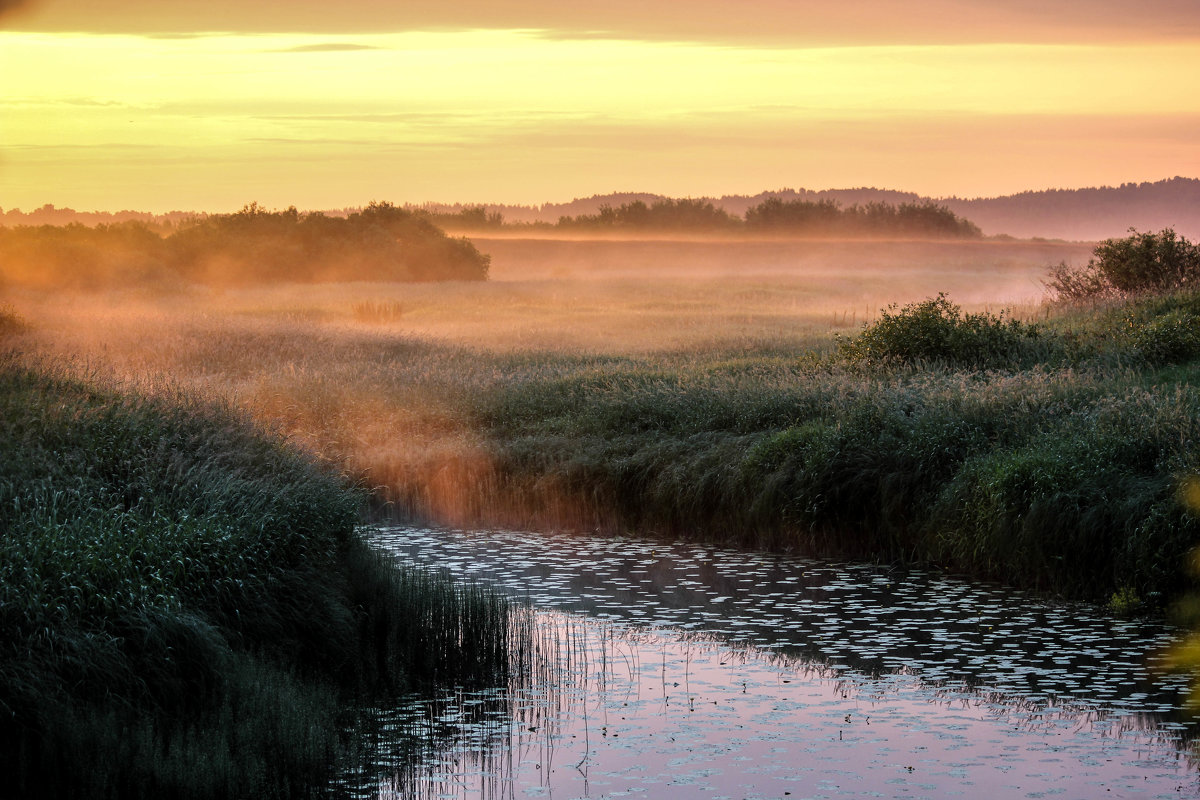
[[180, 500], [709, 389]]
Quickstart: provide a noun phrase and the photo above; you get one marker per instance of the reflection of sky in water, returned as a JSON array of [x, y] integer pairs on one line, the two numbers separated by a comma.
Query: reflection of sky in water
[[796, 678]]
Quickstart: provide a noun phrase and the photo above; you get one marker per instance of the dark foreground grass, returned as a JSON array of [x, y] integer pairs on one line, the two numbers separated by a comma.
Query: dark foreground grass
[[185, 608]]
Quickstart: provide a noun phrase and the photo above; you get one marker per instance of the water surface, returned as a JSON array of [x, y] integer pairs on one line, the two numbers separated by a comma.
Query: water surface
[[672, 670]]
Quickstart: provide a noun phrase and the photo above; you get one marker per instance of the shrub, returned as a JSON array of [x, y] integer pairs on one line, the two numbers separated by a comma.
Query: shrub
[[937, 330], [1167, 339], [1139, 263]]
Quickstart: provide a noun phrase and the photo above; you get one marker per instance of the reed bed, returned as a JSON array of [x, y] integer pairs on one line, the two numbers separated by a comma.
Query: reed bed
[[187, 608], [1043, 448]]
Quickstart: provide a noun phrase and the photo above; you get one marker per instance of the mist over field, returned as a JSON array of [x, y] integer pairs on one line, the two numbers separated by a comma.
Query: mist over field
[[411, 477]]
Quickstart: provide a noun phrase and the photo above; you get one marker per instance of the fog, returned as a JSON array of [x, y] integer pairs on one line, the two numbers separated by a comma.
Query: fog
[[384, 379], [596, 296]]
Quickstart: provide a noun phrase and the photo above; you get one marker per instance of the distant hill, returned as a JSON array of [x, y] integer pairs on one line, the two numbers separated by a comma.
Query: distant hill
[[1088, 214], [1078, 214]]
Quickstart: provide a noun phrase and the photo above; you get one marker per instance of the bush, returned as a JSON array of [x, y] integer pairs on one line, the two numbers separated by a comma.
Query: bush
[[1137, 264], [936, 330], [1171, 338]]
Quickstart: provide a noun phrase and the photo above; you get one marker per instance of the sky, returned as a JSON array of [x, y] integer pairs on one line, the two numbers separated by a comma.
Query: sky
[[141, 104]]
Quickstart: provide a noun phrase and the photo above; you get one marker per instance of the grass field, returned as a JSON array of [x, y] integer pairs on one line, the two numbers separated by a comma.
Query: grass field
[[699, 388]]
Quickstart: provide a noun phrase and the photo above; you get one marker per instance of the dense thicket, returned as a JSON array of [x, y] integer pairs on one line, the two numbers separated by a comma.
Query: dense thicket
[[379, 243]]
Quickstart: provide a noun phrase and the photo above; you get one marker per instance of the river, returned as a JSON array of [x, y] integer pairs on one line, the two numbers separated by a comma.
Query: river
[[680, 671]]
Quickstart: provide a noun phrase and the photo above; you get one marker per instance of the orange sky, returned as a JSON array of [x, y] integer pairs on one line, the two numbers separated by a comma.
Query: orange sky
[[209, 105]]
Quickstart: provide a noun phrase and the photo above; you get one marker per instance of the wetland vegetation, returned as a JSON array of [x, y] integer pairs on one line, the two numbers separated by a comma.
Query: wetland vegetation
[[187, 608], [1044, 445], [172, 560]]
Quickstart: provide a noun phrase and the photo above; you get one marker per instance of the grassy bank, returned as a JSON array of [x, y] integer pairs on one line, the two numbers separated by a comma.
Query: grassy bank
[[187, 611], [1047, 451], [1052, 464], [1050, 456]]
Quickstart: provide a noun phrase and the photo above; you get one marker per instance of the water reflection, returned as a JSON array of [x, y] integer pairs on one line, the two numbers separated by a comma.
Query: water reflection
[[677, 671]]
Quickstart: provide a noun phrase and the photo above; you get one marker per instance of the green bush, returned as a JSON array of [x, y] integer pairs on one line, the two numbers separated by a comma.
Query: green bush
[[937, 330], [1137, 264], [1168, 339]]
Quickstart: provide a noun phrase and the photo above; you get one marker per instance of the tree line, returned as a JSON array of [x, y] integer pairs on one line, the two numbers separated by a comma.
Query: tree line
[[381, 242], [773, 216]]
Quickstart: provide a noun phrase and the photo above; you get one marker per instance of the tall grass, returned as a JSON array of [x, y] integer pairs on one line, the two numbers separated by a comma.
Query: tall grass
[[186, 607], [1046, 454]]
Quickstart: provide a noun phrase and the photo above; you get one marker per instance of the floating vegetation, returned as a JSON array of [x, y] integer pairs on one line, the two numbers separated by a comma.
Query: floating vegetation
[[869, 619], [660, 669]]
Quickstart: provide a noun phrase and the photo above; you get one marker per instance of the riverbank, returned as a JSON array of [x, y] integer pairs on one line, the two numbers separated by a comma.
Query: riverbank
[[188, 611], [1058, 469], [1050, 455]]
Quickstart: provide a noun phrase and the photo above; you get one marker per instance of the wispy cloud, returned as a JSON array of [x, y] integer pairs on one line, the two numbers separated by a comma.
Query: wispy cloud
[[775, 22], [326, 47]]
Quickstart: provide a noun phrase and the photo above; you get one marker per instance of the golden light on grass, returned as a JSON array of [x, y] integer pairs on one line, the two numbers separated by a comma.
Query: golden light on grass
[[1189, 494], [357, 371]]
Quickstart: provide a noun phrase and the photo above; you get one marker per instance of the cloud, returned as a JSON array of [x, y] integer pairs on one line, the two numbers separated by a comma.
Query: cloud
[[10, 5], [330, 47], [781, 22]]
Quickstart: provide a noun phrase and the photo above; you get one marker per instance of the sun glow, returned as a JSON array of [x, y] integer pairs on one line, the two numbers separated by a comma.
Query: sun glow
[[214, 120]]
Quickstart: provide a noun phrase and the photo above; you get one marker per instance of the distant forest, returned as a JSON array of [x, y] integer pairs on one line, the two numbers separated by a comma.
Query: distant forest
[[773, 216], [378, 243], [1088, 214]]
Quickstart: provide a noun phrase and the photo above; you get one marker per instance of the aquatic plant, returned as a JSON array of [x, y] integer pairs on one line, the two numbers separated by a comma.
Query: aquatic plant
[[186, 606]]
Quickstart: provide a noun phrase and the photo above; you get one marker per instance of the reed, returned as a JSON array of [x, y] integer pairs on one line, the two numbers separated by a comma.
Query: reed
[[188, 609], [378, 312], [1043, 453]]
